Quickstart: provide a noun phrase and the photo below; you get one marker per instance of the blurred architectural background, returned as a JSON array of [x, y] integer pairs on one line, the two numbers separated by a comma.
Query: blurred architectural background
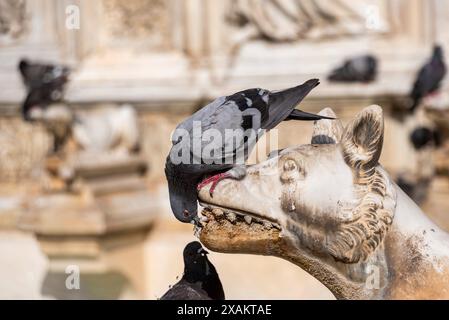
[[167, 58]]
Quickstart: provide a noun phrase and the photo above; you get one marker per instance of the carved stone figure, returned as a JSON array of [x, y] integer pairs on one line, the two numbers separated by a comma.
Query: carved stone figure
[[291, 20], [89, 138], [330, 208], [12, 19], [22, 146]]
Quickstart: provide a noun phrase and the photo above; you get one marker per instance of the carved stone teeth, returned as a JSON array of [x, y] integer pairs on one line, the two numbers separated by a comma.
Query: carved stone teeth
[[258, 220], [231, 216], [267, 225], [217, 212], [236, 216]]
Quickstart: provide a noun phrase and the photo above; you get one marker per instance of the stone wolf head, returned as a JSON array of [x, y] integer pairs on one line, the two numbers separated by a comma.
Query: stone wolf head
[[330, 198]]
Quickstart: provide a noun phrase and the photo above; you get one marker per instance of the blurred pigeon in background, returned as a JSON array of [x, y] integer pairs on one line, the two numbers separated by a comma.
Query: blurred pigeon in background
[[44, 84], [429, 77], [422, 137], [253, 109], [200, 280], [359, 69]]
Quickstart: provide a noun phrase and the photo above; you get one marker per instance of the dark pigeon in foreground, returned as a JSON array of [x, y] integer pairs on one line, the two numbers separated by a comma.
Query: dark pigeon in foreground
[[253, 109], [44, 84], [200, 280], [359, 69], [429, 77]]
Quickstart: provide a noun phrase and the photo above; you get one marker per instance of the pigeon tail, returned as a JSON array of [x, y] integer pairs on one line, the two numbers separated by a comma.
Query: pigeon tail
[[282, 103], [306, 116]]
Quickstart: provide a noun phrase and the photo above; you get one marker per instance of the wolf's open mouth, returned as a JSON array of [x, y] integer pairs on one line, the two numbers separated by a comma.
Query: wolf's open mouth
[[218, 213], [229, 230]]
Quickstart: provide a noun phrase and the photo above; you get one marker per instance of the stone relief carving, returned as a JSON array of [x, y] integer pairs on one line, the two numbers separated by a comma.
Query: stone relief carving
[[12, 19], [292, 20], [82, 137], [23, 147], [138, 20]]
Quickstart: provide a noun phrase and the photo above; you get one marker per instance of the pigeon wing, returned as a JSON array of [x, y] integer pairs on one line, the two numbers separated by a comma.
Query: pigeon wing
[[282, 103], [184, 290], [210, 131], [221, 133]]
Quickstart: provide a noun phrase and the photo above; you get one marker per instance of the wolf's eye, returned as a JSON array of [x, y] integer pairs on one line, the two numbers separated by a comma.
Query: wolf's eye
[[291, 171]]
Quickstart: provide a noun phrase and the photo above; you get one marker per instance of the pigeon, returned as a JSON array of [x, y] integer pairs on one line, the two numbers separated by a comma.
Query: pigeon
[[429, 77], [359, 69], [252, 109], [422, 137], [200, 280], [44, 84]]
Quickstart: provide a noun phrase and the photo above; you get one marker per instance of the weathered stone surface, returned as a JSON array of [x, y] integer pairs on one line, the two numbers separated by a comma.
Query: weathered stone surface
[[22, 266]]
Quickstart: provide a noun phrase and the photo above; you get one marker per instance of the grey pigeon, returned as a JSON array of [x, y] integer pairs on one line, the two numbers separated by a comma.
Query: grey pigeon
[[252, 109], [358, 69], [429, 77], [44, 83], [200, 280]]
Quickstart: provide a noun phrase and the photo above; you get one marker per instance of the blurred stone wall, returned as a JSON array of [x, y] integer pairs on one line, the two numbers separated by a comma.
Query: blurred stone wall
[[23, 149]]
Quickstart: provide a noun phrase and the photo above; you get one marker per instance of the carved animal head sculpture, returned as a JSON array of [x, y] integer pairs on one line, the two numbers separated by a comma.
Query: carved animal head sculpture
[[331, 208]]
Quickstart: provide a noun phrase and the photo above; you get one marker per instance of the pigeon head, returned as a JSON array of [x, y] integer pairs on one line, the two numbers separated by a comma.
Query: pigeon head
[[422, 137], [23, 65], [182, 192], [196, 264], [183, 203], [437, 51]]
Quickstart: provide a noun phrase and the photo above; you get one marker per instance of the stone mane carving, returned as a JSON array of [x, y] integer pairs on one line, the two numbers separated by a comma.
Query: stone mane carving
[[356, 240], [353, 240], [291, 20], [331, 209], [12, 19]]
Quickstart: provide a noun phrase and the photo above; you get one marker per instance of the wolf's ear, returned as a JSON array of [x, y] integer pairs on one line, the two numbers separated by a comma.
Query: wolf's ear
[[327, 131], [362, 140]]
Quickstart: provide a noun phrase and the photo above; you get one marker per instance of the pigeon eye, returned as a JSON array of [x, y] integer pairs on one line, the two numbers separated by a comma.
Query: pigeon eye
[[186, 213]]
